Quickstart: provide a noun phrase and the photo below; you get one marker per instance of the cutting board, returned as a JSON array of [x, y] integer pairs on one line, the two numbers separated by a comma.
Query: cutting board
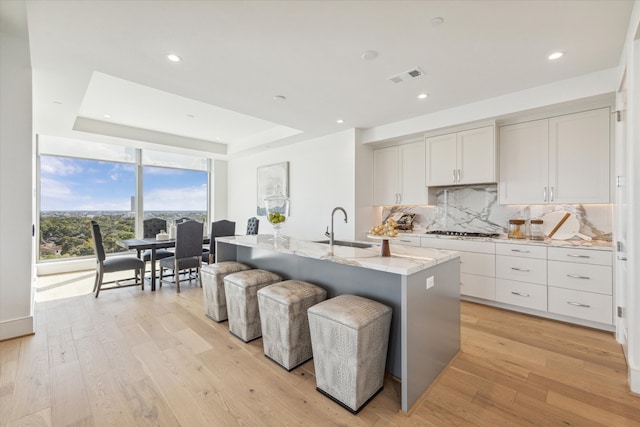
[[569, 229]]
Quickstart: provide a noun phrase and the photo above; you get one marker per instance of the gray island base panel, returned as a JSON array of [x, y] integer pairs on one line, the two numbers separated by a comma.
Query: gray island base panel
[[425, 325]]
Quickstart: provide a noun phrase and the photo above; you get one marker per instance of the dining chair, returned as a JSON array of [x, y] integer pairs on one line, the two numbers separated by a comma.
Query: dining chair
[[151, 227], [188, 252], [253, 224], [219, 228], [121, 263]]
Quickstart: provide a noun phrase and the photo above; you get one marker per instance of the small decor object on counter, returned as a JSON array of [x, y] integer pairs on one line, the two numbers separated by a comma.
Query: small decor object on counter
[[387, 229], [537, 231], [277, 206], [162, 235], [517, 229]]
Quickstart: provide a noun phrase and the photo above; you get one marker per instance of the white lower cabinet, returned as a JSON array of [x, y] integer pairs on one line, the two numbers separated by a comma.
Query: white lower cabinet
[[477, 265], [583, 305], [522, 269], [529, 295], [477, 286], [407, 240], [560, 282], [581, 284], [521, 275]]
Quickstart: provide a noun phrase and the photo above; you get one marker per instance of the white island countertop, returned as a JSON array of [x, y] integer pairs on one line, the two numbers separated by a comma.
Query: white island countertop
[[404, 260]]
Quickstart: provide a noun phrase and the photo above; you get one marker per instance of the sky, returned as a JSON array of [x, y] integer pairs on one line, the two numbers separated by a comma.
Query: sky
[[68, 184]]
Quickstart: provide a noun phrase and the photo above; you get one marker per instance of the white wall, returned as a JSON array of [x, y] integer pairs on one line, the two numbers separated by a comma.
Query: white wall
[[16, 314], [321, 177]]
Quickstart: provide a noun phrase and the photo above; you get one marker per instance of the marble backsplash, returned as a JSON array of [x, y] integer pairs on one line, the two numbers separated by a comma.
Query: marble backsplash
[[476, 209]]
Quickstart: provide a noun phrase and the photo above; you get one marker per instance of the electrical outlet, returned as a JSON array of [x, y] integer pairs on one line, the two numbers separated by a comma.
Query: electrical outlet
[[430, 282]]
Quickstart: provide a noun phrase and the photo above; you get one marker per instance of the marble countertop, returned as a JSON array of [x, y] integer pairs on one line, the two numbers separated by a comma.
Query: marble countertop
[[582, 244], [404, 260]]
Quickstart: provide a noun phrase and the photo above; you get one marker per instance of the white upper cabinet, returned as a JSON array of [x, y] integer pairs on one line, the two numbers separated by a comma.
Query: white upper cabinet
[[564, 159], [467, 157], [579, 157], [524, 164], [399, 175], [385, 176]]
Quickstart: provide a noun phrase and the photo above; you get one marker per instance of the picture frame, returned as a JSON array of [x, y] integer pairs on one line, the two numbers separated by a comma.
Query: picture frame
[[268, 177]]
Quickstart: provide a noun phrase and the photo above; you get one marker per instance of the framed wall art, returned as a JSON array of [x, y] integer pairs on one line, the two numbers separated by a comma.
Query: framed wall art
[[269, 179]]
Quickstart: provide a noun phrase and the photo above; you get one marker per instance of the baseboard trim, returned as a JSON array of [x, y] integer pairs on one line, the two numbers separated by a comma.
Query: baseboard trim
[[634, 380], [16, 328]]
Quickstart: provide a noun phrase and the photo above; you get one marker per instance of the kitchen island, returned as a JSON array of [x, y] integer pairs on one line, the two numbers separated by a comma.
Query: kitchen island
[[421, 285]]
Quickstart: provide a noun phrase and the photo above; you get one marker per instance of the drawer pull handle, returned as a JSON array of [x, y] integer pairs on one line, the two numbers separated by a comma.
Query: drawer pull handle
[[520, 294], [578, 256], [407, 241], [577, 304], [622, 258], [522, 251], [575, 276], [520, 269]]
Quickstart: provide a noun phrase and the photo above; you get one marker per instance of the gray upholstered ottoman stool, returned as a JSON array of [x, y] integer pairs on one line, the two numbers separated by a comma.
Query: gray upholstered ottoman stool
[[285, 325], [215, 303], [350, 337], [241, 290]]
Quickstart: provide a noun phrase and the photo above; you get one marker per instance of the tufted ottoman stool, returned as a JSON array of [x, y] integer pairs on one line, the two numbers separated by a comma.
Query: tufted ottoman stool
[[350, 337], [241, 290], [213, 275], [285, 325]]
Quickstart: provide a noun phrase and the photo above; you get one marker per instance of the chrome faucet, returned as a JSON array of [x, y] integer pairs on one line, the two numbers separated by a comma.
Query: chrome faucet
[[330, 235]]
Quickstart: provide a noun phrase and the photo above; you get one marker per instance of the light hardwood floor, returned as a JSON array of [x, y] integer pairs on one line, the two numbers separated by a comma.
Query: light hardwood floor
[[133, 358]]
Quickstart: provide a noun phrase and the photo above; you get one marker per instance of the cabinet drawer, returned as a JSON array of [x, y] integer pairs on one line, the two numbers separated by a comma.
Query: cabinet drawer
[[585, 305], [585, 256], [522, 269], [459, 245], [581, 277], [406, 240], [522, 294], [526, 251], [476, 263], [478, 286]]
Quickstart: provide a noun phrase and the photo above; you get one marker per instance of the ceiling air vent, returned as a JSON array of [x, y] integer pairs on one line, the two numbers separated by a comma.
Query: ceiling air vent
[[406, 76]]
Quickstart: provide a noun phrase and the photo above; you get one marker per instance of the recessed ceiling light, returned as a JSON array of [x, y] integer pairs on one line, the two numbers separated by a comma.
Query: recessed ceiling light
[[423, 96], [369, 55], [555, 55], [173, 57], [437, 21], [107, 116], [339, 121], [279, 98], [218, 138]]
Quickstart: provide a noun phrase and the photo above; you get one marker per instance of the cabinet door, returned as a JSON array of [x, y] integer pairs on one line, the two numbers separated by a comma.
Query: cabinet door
[[385, 176], [412, 174], [524, 163], [476, 155], [441, 160], [579, 157]]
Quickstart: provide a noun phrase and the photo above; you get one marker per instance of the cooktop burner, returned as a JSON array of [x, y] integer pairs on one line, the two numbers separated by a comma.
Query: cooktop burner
[[461, 233]]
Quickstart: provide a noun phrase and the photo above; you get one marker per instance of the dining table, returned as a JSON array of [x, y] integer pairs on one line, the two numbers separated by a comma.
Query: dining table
[[152, 244]]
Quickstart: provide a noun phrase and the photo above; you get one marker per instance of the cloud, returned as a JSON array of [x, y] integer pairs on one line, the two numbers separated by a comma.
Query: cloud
[[59, 166], [176, 199]]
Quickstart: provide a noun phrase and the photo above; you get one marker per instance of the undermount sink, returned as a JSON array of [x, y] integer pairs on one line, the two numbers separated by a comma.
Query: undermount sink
[[350, 244]]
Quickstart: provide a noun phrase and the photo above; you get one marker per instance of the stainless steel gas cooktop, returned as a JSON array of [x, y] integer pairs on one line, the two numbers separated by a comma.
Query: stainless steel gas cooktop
[[462, 233]]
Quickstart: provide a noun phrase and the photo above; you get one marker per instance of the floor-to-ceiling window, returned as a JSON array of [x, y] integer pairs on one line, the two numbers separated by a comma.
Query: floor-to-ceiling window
[[174, 186], [79, 181]]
